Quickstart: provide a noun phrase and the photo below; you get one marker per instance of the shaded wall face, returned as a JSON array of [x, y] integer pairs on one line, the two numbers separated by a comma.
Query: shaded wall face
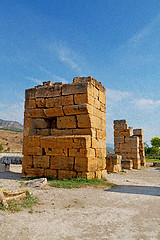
[[65, 129], [113, 162], [125, 144], [139, 134]]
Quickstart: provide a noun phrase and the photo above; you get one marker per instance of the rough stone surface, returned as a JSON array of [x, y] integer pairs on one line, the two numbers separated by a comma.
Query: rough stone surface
[[129, 146], [113, 163], [37, 183], [156, 164], [7, 196], [127, 164], [64, 126]]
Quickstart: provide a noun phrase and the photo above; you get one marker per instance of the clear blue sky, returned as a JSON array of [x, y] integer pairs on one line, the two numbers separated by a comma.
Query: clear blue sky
[[115, 41]]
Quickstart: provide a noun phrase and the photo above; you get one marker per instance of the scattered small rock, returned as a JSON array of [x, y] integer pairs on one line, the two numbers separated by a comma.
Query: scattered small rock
[[156, 164], [7, 196], [37, 183]]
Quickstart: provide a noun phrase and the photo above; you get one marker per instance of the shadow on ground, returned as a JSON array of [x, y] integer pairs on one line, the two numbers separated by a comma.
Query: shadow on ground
[[11, 175], [143, 190], [158, 169]]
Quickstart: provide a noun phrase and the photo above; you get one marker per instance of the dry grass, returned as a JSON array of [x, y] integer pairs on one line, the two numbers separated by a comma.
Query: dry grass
[[11, 140]]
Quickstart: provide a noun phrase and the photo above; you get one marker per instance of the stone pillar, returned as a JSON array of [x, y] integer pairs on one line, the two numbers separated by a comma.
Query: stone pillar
[[125, 144], [139, 133], [113, 163], [65, 130]]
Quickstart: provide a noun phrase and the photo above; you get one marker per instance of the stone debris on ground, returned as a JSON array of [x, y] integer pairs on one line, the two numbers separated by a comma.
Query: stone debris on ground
[[37, 183], [7, 196], [156, 164]]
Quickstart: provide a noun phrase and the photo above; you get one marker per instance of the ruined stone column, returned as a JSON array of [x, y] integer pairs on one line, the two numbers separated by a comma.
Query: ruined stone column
[[65, 130], [126, 145], [139, 133]]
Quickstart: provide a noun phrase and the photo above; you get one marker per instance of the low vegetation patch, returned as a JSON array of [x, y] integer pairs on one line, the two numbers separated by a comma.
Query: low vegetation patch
[[80, 182], [152, 160], [16, 206], [22, 184], [12, 129]]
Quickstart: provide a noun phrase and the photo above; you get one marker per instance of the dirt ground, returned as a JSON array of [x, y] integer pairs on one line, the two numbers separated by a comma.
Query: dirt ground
[[131, 210]]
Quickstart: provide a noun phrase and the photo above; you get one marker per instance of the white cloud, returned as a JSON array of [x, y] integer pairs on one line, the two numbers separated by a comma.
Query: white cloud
[[115, 101], [145, 31], [65, 56], [132, 53], [145, 104], [12, 112], [114, 96], [54, 77], [149, 133], [36, 80], [43, 69], [1, 105], [69, 58]]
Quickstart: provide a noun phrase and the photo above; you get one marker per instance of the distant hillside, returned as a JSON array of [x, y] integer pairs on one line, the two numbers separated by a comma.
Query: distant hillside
[[10, 125], [11, 140], [109, 148]]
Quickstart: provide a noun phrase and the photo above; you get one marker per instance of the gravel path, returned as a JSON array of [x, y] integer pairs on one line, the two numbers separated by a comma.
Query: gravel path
[[131, 210]]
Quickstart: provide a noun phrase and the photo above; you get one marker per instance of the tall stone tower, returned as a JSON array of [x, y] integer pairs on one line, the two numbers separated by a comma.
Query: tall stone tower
[[65, 130]]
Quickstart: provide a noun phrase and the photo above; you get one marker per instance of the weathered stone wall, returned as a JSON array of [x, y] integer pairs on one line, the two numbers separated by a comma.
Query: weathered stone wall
[[113, 163], [130, 147], [139, 133], [65, 130]]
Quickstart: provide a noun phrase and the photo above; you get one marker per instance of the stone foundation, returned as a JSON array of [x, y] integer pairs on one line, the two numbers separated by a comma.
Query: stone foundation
[[127, 164], [113, 163], [65, 130]]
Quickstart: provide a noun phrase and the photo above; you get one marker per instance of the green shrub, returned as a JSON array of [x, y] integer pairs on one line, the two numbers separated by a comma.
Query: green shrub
[[1, 147]]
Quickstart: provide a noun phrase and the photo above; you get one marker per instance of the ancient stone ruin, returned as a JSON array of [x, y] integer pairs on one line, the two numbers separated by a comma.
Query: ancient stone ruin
[[113, 163], [65, 130], [129, 146]]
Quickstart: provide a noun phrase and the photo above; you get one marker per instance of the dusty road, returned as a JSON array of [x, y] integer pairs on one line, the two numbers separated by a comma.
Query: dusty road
[[128, 211]]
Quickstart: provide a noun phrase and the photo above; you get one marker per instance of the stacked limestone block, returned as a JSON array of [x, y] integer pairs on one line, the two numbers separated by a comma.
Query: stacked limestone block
[[65, 130], [139, 133], [125, 144], [113, 163], [127, 164]]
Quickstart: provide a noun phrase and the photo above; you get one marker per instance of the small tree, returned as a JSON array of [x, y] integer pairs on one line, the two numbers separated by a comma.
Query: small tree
[[154, 151], [146, 148], [155, 142], [1, 147]]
